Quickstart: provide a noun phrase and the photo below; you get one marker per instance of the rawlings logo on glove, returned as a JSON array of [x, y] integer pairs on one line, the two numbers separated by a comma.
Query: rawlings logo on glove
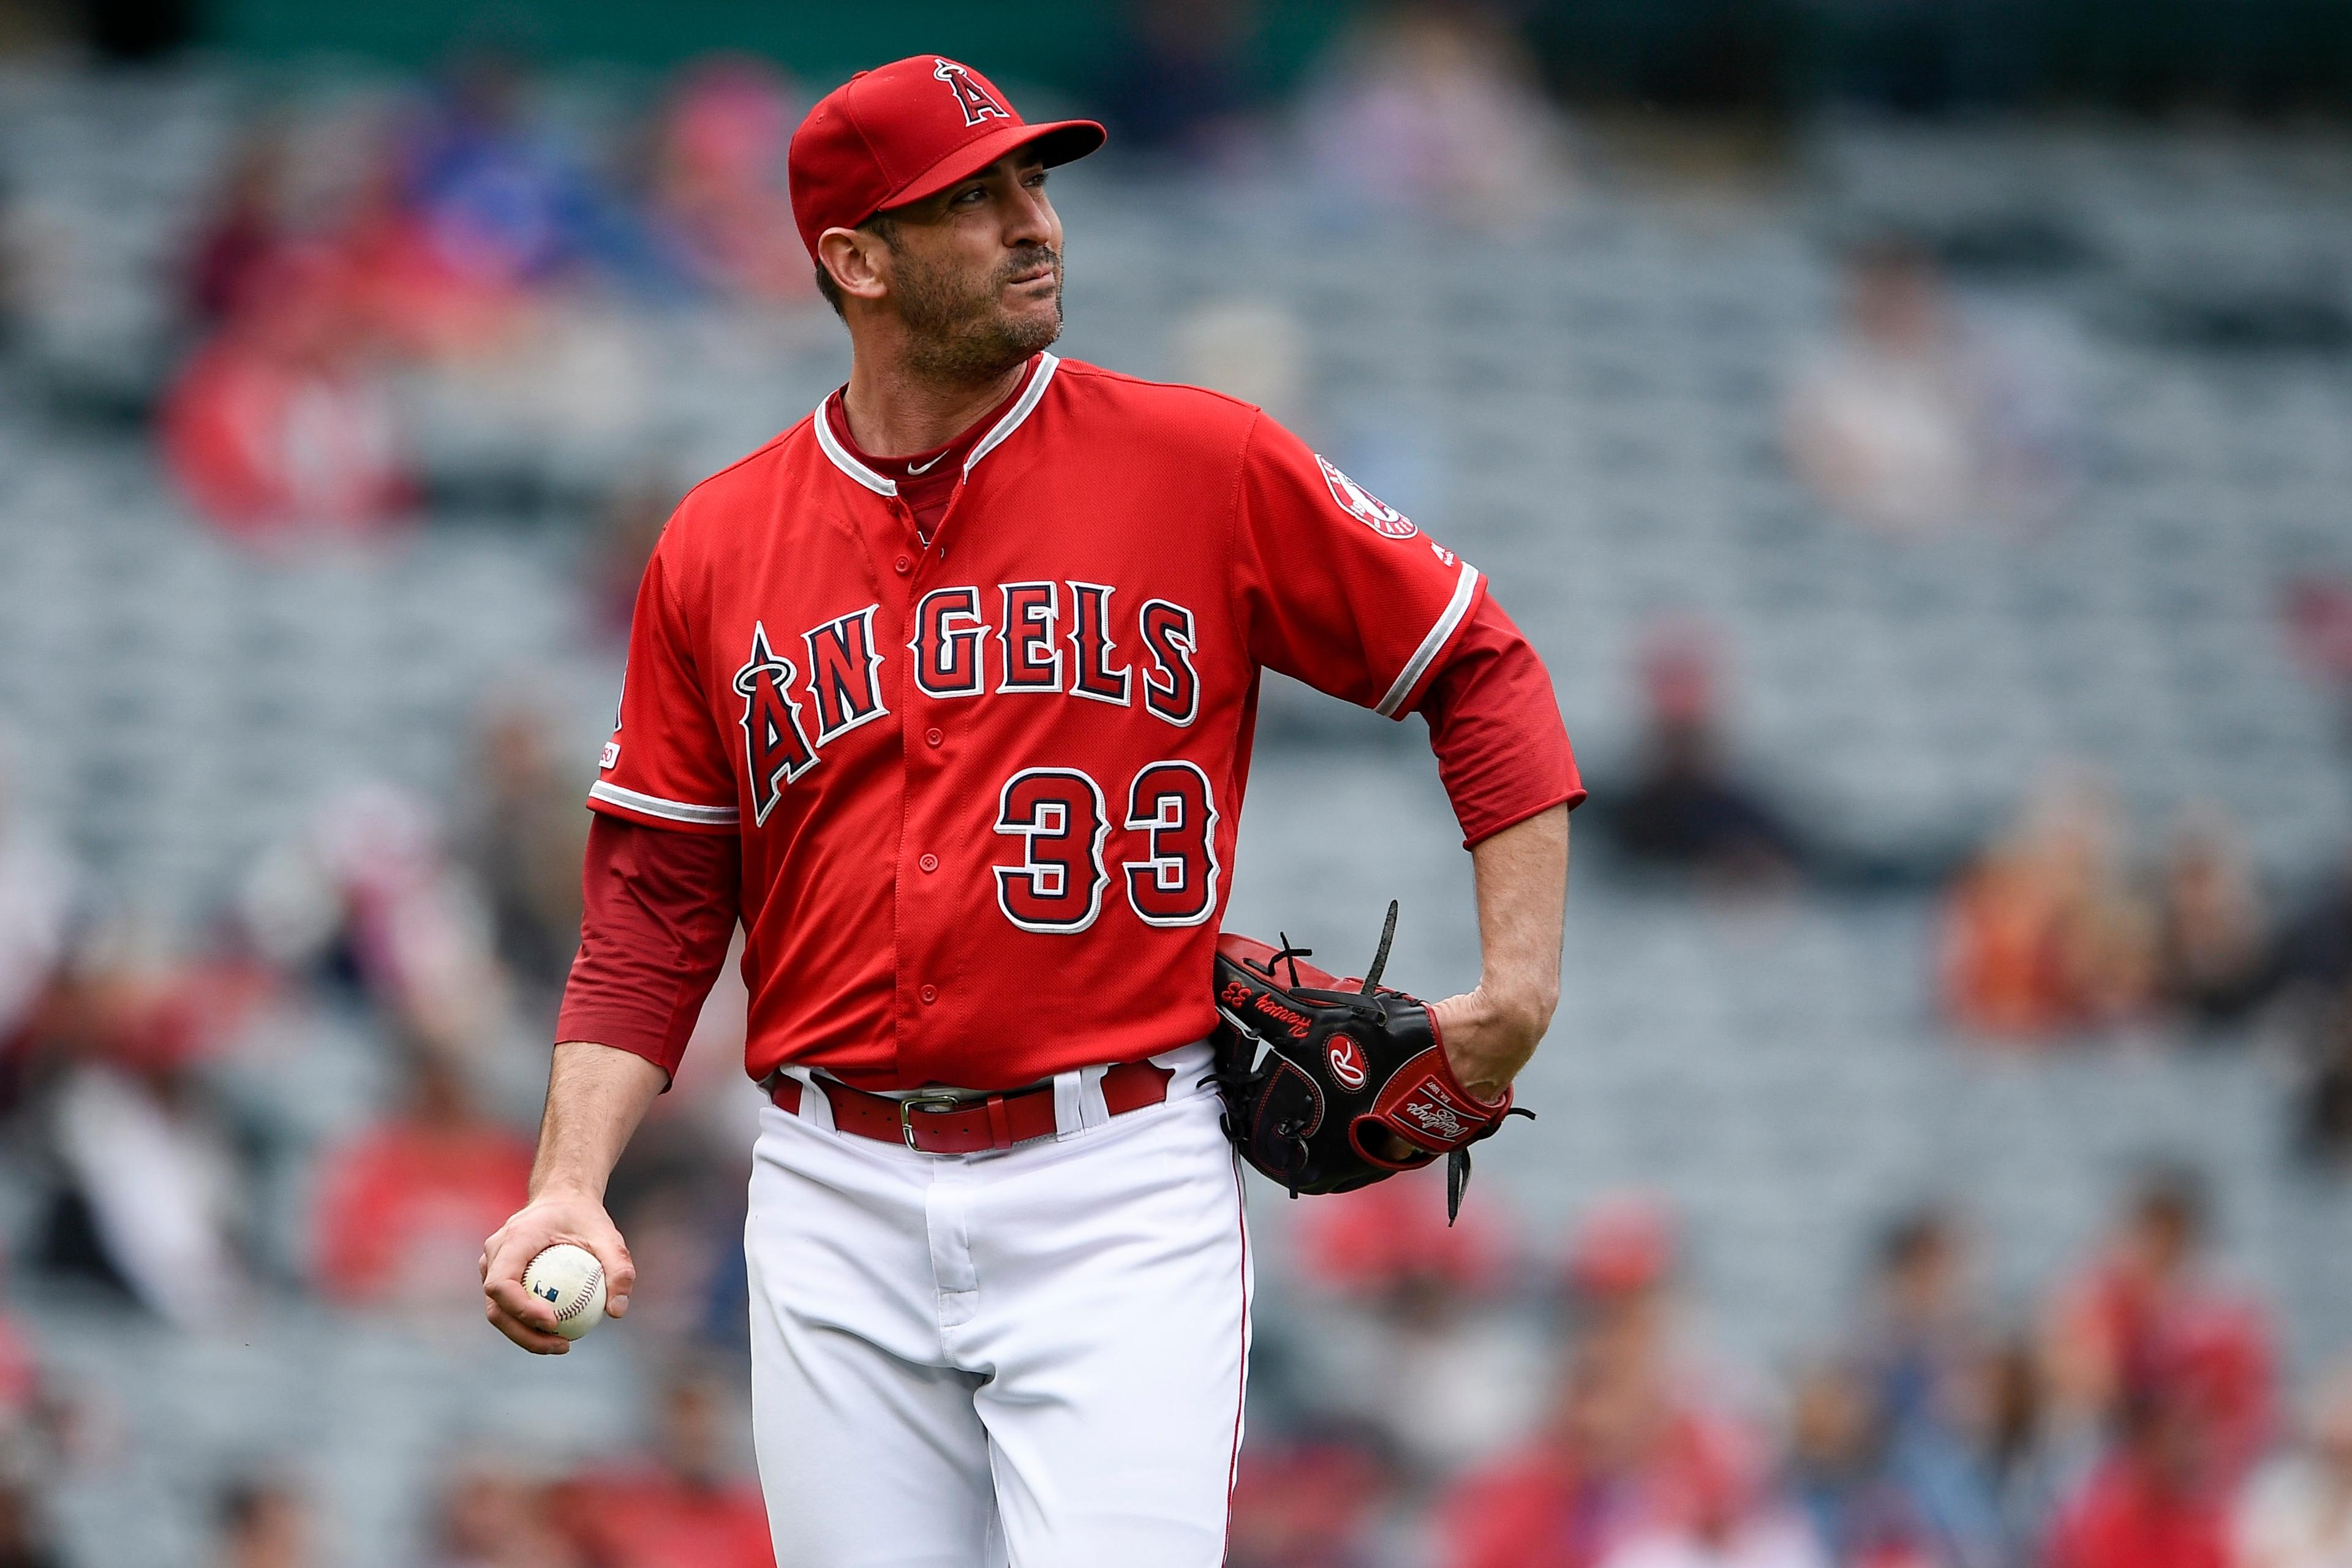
[[1331, 1085]]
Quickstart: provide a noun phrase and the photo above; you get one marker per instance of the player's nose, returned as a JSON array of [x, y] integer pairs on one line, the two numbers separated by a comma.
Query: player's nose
[[1029, 219]]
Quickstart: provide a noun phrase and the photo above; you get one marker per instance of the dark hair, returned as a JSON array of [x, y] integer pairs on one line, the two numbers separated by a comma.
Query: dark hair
[[2172, 1194], [1913, 1238], [242, 1501], [883, 226]]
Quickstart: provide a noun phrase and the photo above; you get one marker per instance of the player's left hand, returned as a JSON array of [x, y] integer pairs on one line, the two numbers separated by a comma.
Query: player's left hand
[[1488, 1038]]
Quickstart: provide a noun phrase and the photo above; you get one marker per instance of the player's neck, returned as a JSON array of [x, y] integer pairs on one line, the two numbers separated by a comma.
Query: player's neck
[[894, 413]]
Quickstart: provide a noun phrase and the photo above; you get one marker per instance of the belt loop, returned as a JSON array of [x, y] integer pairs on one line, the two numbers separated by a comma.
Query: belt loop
[[1092, 1109], [1000, 1126], [816, 1109]]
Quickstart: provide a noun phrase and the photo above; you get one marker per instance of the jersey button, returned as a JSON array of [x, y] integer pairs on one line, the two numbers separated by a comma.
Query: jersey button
[[929, 862], [930, 994], [935, 735], [903, 565]]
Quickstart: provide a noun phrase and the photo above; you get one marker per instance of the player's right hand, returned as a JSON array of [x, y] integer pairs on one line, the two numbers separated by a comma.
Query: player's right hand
[[546, 1220]]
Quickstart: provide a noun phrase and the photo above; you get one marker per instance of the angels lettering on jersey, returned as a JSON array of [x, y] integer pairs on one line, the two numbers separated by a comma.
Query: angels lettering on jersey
[[1013, 640]]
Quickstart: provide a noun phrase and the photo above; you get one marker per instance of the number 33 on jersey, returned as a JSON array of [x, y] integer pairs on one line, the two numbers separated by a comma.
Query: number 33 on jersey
[[987, 785]]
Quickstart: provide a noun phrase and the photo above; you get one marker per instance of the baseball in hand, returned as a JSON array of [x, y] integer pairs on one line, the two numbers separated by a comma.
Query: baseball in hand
[[570, 1279]]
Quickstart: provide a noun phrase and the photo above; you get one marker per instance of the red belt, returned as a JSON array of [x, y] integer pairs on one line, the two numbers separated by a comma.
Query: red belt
[[955, 1123]]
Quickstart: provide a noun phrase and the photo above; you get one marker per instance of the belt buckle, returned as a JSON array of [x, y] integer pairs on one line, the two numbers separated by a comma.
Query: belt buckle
[[914, 1102]]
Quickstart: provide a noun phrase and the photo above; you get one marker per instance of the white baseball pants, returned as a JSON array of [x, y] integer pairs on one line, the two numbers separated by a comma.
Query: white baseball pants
[[1032, 1357]]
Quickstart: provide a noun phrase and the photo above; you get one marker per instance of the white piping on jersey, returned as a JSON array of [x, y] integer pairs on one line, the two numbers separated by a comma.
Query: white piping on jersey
[[878, 483], [1017, 413], [1464, 586], [655, 805], [883, 485]]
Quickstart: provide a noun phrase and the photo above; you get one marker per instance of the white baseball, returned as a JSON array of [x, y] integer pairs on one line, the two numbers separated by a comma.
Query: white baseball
[[570, 1279]]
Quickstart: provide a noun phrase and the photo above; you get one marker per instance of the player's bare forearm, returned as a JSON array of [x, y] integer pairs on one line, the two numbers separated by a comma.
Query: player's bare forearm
[[1522, 872], [596, 1095], [595, 1098]]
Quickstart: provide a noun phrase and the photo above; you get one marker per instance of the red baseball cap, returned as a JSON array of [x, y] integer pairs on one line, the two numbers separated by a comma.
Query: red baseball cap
[[906, 130]]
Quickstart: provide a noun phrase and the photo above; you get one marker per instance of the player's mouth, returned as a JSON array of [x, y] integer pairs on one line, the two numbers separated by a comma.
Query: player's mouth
[[1045, 272]]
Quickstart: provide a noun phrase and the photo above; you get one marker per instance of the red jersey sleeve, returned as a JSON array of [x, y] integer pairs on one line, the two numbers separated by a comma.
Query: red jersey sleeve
[[1335, 586], [659, 908], [1493, 722], [666, 764]]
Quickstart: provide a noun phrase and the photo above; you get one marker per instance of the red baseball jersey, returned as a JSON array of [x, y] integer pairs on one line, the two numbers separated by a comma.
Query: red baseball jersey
[[987, 783]]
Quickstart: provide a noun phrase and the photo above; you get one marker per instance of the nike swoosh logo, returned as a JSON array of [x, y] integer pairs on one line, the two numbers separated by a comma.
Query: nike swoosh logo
[[924, 467]]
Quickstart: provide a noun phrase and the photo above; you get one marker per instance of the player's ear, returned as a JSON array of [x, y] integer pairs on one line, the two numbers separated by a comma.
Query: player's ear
[[858, 260]]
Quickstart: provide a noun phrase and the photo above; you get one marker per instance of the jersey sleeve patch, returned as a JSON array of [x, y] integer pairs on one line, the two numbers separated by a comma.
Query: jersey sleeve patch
[[1363, 505]]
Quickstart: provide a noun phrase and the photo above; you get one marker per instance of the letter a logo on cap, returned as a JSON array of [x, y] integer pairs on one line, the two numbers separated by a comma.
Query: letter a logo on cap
[[971, 97]]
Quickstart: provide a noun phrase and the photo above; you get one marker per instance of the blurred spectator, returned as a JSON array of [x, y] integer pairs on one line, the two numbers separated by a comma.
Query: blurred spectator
[[719, 184], [1839, 1475], [244, 232], [2149, 1337], [20, 1378], [502, 204], [2313, 953], [1928, 1370], [1636, 1455], [263, 1524], [2026, 1461], [521, 831], [1917, 418], [2046, 934], [282, 425], [1311, 1499], [363, 895], [1921, 1334], [1685, 806], [2318, 613], [24, 1533], [2151, 1503], [403, 1206], [634, 517], [1182, 85], [1434, 107], [152, 1193], [2297, 1513], [2323, 1114], [1411, 1301], [491, 1517], [36, 898], [686, 1504], [2214, 953]]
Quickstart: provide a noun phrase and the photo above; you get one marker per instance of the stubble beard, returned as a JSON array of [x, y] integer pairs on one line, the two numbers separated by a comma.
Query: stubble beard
[[965, 336]]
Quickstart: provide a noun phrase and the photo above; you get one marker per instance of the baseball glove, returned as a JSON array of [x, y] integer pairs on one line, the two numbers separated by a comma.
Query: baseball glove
[[1331, 1085]]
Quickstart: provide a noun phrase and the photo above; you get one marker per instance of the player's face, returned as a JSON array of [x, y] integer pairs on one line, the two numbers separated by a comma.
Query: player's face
[[976, 271]]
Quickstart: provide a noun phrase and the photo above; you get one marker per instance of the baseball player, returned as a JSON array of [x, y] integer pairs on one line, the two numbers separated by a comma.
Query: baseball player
[[947, 695]]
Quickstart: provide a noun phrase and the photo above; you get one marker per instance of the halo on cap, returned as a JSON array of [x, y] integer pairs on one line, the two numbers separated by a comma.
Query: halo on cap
[[906, 130], [1058, 141]]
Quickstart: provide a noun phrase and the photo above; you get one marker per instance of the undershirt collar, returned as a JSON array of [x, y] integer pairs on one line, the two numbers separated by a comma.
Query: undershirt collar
[[921, 466]]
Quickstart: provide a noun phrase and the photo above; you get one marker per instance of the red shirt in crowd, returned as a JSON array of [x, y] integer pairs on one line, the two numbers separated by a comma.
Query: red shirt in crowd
[[2204, 1346], [2125, 1519], [1545, 1508], [652, 1519], [405, 1199]]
